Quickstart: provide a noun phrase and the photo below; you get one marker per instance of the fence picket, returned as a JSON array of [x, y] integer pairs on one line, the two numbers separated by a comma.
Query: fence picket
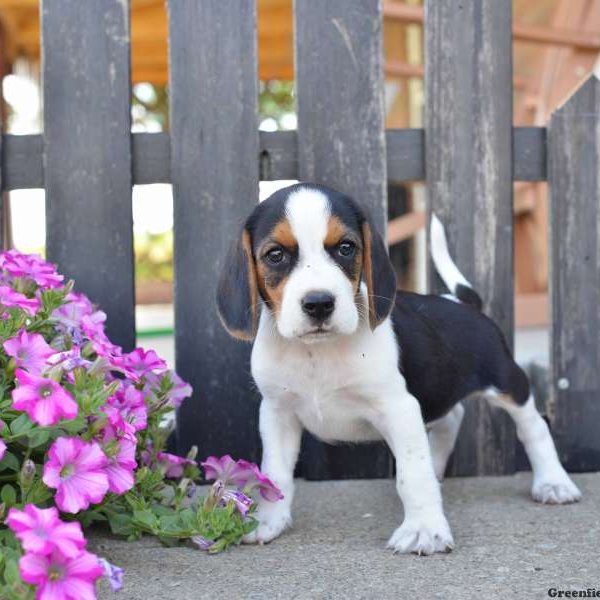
[[214, 170], [574, 181], [341, 143], [469, 181], [87, 153]]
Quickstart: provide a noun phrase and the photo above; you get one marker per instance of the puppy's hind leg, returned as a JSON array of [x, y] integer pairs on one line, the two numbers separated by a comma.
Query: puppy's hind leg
[[551, 484], [442, 435]]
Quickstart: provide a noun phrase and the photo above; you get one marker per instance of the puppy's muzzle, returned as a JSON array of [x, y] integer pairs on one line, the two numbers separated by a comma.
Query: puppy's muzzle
[[318, 306]]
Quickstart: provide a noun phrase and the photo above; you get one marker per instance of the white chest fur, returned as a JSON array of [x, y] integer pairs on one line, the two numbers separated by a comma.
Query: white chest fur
[[334, 386]]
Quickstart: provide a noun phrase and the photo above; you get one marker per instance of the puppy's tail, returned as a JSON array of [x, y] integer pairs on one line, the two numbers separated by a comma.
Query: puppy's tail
[[455, 281]]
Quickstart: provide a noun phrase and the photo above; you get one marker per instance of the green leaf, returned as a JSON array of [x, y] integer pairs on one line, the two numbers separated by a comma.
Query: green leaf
[[145, 519], [21, 424], [38, 437], [39, 493], [11, 572], [120, 524], [10, 462], [8, 495]]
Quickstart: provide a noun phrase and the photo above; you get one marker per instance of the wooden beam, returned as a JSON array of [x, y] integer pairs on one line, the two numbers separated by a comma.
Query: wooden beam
[[532, 310], [396, 68], [521, 31], [404, 227]]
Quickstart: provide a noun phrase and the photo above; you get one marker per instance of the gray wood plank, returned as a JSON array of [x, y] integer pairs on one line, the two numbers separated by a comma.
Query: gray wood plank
[[23, 166], [87, 153], [574, 182], [469, 182], [214, 169], [341, 143]]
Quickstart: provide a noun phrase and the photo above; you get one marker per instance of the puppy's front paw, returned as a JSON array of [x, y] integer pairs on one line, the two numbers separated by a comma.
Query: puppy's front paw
[[558, 489], [271, 523], [423, 536]]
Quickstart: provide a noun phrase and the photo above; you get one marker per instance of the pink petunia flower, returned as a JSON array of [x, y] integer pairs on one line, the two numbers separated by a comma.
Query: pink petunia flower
[[30, 351], [139, 363], [2, 442], [44, 400], [59, 577], [130, 403], [121, 465], [30, 266], [41, 531], [228, 470], [173, 464], [76, 469], [9, 298]]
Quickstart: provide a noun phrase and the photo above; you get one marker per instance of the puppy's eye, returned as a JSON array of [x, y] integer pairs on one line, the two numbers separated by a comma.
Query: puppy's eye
[[275, 256], [347, 248]]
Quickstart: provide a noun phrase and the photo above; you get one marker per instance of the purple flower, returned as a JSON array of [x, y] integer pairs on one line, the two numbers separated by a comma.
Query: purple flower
[[241, 473], [228, 470], [9, 299], [268, 490], [30, 351], [69, 359], [242, 502], [179, 391], [202, 542], [116, 426], [132, 407], [30, 266], [173, 464], [139, 363], [44, 400], [113, 573], [77, 306]]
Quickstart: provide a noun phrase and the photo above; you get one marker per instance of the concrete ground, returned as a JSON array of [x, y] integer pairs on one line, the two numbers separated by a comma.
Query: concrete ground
[[506, 547]]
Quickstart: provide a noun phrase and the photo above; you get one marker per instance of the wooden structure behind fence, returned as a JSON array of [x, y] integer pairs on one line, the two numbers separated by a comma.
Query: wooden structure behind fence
[[469, 154]]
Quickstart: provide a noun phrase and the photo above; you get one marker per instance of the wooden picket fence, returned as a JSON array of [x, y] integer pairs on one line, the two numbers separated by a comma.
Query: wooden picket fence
[[469, 155]]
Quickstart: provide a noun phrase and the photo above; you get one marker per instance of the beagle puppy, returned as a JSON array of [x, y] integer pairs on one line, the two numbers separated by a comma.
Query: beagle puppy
[[340, 352]]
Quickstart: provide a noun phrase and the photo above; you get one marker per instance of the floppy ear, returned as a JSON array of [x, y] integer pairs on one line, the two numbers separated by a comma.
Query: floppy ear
[[237, 292], [379, 275]]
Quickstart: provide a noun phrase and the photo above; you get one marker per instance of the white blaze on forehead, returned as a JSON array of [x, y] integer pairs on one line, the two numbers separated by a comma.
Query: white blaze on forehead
[[308, 213]]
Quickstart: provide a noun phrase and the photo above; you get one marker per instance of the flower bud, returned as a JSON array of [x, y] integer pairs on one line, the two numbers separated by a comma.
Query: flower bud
[[191, 455], [69, 286], [27, 475]]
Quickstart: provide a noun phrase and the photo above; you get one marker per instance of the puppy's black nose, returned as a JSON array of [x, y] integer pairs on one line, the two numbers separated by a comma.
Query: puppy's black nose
[[318, 305]]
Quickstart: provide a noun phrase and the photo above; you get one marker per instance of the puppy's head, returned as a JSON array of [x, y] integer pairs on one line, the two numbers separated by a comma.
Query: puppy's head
[[304, 252]]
